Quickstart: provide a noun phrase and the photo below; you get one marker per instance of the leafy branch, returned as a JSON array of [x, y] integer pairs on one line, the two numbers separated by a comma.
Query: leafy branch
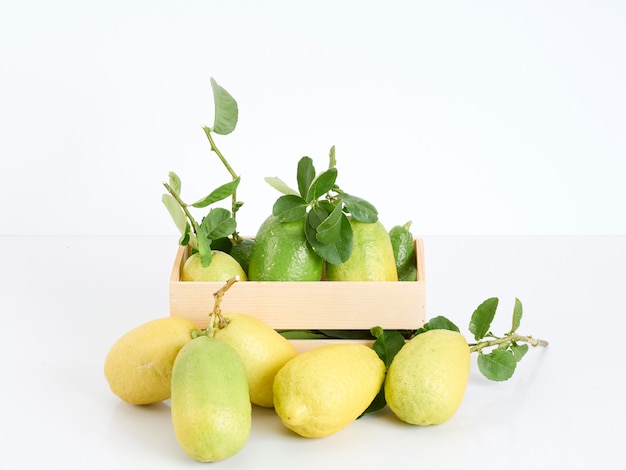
[[497, 355], [507, 350], [218, 224], [236, 205], [325, 206], [498, 364]]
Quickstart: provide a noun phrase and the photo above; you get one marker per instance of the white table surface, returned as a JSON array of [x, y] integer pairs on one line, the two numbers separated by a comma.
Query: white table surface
[[65, 300]]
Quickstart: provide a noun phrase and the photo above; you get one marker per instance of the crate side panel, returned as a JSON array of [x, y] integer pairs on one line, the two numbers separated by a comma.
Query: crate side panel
[[308, 305]]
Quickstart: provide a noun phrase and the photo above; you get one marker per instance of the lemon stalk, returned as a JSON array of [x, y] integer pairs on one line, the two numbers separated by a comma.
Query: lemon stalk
[[216, 319], [184, 207], [508, 339], [234, 205]]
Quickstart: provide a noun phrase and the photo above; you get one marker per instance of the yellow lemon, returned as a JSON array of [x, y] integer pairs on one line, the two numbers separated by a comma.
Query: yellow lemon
[[222, 267], [323, 390], [426, 381], [138, 367], [263, 351], [372, 257]]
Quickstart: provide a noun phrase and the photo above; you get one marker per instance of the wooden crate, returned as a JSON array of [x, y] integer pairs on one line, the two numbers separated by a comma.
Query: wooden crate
[[327, 305]]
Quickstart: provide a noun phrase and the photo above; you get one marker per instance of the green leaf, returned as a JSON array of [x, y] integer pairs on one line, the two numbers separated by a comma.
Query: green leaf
[[289, 207], [218, 194], [360, 209], [174, 182], [302, 334], [376, 331], [403, 246], [226, 111], [482, 318], [326, 205], [325, 334], [329, 230], [280, 186], [387, 344], [332, 159], [187, 238], [305, 175], [204, 248], [498, 365], [519, 350], [378, 403], [347, 334], [336, 252], [216, 224], [322, 183], [437, 323], [224, 244], [176, 212], [517, 315]]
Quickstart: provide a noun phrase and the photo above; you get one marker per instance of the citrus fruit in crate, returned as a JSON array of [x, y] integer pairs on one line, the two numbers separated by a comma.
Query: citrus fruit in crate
[[372, 257], [282, 253], [321, 391], [222, 267], [241, 251], [210, 404], [426, 380], [138, 367]]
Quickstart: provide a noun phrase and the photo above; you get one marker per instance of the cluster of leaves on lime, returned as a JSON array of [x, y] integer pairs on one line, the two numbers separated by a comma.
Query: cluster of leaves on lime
[[215, 228], [497, 355], [325, 206]]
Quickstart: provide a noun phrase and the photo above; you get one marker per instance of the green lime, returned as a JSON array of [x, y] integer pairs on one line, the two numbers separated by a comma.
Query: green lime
[[282, 253], [241, 252]]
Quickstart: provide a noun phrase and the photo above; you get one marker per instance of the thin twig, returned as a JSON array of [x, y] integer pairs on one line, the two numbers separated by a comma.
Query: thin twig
[[514, 338]]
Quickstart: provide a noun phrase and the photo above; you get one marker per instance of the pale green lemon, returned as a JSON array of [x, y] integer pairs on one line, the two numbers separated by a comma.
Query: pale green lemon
[[372, 257], [323, 390], [263, 351], [138, 367], [426, 381], [210, 405], [222, 268]]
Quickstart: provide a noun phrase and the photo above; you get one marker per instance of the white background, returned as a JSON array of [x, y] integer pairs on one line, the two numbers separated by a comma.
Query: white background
[[475, 117]]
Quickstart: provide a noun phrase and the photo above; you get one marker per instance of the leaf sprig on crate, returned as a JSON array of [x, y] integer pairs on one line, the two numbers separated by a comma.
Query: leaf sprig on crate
[[326, 207], [218, 223]]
